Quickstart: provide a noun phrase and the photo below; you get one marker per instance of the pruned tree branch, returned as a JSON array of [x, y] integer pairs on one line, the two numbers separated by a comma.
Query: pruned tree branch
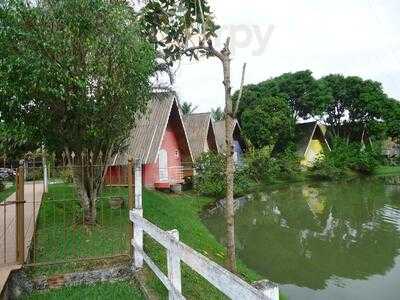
[[209, 48]]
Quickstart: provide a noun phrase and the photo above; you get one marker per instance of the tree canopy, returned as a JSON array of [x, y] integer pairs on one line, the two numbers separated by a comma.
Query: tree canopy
[[305, 96], [391, 118], [268, 122], [178, 28], [352, 100], [16, 141], [349, 105], [75, 74]]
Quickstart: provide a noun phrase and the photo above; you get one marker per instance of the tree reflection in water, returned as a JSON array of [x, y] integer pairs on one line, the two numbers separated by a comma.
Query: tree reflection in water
[[305, 234]]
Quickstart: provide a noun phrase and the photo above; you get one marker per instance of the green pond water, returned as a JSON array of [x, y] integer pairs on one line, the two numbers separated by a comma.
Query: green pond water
[[322, 240]]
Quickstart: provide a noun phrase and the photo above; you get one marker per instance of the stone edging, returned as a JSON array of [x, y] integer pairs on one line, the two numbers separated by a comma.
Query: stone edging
[[19, 283]]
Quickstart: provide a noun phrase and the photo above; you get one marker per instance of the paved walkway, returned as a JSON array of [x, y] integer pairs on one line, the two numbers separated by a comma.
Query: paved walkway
[[33, 198]]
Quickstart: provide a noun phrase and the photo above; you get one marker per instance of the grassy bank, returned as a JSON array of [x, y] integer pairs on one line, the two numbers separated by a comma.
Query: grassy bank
[[6, 193], [182, 213], [116, 290], [165, 210], [306, 177], [387, 170]]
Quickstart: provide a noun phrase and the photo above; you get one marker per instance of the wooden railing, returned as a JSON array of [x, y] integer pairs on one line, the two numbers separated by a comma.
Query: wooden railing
[[228, 283]]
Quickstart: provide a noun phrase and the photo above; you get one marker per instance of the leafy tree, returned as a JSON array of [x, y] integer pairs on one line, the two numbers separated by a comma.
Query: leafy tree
[[340, 96], [271, 108], [305, 96], [75, 73], [16, 141], [267, 122], [188, 108], [354, 101], [391, 118], [217, 114]]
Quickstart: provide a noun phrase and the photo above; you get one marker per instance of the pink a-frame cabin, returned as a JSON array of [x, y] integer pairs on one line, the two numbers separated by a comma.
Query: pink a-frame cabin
[[160, 141]]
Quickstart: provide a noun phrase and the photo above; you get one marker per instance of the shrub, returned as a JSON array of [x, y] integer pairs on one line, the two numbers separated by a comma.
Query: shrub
[[367, 160], [210, 179], [344, 157], [66, 175], [288, 164], [243, 184], [260, 166], [2, 186], [325, 169], [34, 174]]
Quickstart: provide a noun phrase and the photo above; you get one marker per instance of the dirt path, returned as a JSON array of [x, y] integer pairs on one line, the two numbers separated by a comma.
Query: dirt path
[[33, 198]]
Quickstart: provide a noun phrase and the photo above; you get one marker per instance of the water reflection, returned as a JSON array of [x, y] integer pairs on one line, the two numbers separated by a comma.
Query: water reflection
[[309, 235]]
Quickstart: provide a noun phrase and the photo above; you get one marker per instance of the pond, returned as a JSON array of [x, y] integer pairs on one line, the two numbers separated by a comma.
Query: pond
[[322, 240]]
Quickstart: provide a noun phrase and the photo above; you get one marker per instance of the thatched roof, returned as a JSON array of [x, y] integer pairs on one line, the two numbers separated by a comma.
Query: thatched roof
[[146, 137], [198, 128], [219, 128], [305, 133]]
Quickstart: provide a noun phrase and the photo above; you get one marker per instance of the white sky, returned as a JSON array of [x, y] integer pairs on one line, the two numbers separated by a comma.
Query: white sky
[[352, 37]]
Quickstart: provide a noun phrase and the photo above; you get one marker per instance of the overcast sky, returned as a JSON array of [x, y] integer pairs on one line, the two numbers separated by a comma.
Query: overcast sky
[[357, 37]]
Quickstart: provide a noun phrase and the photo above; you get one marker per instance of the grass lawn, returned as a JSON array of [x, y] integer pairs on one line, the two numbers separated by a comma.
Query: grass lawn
[[115, 290], [165, 210], [182, 212], [61, 236], [6, 193]]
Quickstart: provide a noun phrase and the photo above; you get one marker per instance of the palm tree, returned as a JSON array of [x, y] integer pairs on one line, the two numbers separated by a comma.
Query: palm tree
[[217, 114], [188, 108]]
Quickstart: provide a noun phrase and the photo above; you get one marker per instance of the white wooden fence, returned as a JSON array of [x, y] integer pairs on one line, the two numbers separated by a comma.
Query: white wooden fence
[[228, 283]]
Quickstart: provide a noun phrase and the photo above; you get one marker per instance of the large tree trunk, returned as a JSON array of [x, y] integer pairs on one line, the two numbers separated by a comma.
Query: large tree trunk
[[230, 210], [87, 197], [88, 176], [230, 165]]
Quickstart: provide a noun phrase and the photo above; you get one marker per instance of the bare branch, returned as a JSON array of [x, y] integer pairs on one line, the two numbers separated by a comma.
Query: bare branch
[[240, 91], [214, 52], [209, 48]]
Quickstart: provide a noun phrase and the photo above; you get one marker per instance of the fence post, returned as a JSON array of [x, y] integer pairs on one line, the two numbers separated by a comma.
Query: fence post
[[45, 173], [138, 184], [174, 268], [137, 230], [20, 216], [138, 241], [130, 201]]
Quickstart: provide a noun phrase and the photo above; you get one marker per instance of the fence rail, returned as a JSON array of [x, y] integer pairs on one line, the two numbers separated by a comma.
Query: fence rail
[[228, 283]]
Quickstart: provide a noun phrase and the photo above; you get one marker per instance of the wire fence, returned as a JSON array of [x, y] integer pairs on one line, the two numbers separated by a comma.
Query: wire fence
[[79, 219], [63, 232], [75, 210]]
